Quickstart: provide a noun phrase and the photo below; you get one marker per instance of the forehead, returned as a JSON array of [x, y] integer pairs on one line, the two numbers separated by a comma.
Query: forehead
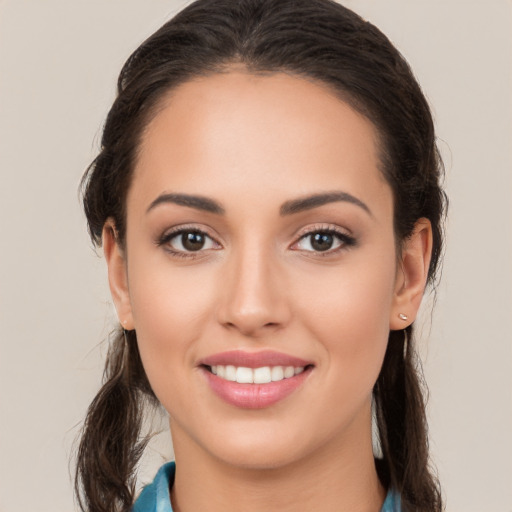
[[236, 132]]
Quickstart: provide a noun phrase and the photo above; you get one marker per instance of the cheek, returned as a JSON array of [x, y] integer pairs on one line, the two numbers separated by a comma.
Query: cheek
[[350, 315], [355, 296], [171, 310]]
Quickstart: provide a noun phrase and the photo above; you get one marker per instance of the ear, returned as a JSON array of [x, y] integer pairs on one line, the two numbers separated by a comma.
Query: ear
[[411, 277], [117, 274]]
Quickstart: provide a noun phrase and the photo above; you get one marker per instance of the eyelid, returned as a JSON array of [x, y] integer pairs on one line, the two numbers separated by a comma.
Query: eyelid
[[175, 231], [345, 236], [314, 228]]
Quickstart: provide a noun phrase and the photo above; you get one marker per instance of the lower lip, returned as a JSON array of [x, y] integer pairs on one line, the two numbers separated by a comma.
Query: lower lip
[[255, 396]]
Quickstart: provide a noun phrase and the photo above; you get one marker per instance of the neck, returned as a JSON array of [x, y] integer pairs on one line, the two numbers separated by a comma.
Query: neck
[[340, 477]]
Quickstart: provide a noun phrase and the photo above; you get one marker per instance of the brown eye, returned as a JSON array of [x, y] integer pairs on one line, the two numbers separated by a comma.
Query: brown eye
[[325, 240], [322, 241], [192, 241], [187, 241]]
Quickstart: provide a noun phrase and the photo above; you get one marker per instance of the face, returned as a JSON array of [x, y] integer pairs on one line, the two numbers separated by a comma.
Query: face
[[260, 247]]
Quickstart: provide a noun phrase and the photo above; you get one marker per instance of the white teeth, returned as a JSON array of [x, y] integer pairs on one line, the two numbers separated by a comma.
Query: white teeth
[[289, 371], [230, 373], [244, 375], [262, 375], [277, 373]]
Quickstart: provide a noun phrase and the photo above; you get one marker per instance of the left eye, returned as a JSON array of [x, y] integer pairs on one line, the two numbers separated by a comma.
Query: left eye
[[190, 241], [320, 241]]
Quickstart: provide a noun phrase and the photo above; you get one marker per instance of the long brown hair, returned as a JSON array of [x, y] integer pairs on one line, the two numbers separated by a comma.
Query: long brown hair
[[319, 39]]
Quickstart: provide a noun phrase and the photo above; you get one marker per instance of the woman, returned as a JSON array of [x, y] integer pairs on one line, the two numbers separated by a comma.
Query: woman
[[267, 197]]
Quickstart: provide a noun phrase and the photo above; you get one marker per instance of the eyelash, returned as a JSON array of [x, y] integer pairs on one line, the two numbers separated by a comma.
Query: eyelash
[[169, 235], [346, 241]]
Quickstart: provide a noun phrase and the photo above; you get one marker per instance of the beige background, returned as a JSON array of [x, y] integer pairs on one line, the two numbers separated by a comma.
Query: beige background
[[58, 66]]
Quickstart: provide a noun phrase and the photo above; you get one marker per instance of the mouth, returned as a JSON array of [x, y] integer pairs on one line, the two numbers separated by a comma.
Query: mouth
[[255, 380], [260, 375]]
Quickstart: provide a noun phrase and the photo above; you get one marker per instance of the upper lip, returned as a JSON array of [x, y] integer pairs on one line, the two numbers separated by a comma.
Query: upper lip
[[254, 359]]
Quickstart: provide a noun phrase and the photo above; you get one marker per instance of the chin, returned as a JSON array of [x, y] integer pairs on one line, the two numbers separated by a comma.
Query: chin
[[260, 447], [259, 458]]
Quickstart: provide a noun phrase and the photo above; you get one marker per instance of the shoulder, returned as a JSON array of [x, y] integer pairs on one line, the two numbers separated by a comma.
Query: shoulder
[[155, 497]]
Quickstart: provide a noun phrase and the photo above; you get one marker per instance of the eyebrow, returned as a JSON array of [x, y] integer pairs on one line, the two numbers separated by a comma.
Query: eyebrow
[[198, 202], [288, 208], [316, 200]]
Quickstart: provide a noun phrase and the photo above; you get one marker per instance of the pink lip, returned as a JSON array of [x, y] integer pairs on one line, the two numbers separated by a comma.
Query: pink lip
[[254, 359], [254, 396]]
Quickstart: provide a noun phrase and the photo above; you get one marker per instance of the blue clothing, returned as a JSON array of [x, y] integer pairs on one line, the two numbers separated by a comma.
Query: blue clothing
[[155, 497]]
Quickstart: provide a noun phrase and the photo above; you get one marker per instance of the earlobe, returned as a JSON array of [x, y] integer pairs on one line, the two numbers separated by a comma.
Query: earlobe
[[117, 274], [411, 275]]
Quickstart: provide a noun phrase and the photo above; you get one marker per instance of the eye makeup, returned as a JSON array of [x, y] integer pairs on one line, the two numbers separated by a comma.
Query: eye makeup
[[324, 240], [191, 241], [187, 241]]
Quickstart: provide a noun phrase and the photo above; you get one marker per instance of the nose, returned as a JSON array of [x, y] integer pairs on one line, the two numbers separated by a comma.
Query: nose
[[254, 301]]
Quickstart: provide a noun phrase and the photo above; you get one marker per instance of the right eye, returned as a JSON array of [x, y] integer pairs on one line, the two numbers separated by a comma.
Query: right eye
[[190, 241], [185, 242]]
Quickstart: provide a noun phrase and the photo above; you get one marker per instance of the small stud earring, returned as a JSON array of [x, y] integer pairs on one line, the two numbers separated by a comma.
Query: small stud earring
[[402, 316]]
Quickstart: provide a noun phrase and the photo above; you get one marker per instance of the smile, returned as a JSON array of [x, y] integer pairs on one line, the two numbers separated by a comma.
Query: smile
[[262, 375], [255, 380]]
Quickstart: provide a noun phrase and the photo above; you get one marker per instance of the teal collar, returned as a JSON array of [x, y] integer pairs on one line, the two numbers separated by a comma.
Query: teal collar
[[155, 497]]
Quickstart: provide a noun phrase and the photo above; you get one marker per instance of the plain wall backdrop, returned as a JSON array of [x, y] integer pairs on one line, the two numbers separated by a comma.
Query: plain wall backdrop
[[59, 61]]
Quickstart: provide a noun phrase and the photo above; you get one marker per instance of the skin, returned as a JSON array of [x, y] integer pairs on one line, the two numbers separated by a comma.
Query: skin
[[252, 143]]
